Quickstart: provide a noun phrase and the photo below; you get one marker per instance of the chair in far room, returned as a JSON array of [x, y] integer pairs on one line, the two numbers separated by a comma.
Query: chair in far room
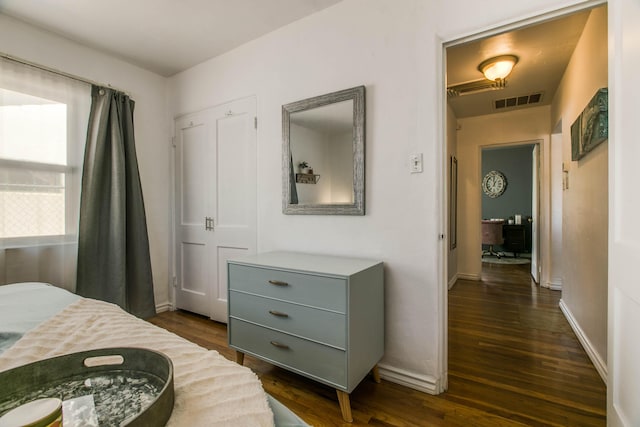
[[492, 235]]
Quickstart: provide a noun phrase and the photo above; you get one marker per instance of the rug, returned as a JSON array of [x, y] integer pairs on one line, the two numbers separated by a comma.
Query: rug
[[505, 260]]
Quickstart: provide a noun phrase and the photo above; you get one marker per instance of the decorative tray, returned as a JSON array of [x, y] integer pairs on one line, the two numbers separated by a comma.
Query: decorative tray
[[106, 387]]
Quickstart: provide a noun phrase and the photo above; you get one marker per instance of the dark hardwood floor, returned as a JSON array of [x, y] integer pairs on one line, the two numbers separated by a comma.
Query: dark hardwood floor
[[513, 361]]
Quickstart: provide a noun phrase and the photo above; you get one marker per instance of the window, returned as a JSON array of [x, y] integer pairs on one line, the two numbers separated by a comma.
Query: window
[[43, 122]]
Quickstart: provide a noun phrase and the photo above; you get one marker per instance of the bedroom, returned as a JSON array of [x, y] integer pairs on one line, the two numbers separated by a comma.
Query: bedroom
[[394, 51]]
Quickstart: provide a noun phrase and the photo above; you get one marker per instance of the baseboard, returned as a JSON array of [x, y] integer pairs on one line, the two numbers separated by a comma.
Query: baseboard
[[424, 383], [452, 281], [597, 361], [467, 276], [554, 285], [161, 308]]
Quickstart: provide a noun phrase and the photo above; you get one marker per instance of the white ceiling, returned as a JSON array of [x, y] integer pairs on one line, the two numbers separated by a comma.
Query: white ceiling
[[544, 50], [169, 36], [163, 36]]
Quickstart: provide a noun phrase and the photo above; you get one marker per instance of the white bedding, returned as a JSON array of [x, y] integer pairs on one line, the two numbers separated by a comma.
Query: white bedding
[[209, 389], [23, 306]]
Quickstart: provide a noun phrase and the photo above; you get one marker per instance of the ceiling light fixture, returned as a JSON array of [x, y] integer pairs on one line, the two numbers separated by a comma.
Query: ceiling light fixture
[[498, 68]]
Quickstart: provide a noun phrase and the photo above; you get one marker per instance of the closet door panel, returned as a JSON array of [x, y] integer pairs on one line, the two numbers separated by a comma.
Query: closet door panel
[[215, 152]]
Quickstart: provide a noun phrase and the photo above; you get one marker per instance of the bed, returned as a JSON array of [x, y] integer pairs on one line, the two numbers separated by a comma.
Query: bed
[[39, 321]]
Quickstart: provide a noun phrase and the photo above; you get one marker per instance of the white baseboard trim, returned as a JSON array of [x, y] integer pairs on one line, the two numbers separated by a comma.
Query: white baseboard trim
[[597, 361], [453, 281], [553, 285], [166, 306], [424, 383], [467, 276]]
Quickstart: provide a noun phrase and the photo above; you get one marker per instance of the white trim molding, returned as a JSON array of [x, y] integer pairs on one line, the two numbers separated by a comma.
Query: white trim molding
[[423, 383], [553, 284], [597, 361], [453, 281], [161, 308], [468, 276]]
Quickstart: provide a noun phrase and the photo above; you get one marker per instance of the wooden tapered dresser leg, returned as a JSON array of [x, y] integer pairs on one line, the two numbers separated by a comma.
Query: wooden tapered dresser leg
[[239, 357], [376, 374], [345, 406]]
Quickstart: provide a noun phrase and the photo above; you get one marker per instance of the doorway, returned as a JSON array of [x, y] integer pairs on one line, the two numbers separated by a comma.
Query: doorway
[[524, 122], [510, 200]]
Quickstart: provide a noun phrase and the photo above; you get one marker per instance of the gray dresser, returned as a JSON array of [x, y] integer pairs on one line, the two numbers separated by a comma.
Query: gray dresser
[[319, 316]]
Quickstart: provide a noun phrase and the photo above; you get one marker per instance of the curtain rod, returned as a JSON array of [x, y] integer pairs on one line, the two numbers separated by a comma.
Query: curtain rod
[[58, 72]]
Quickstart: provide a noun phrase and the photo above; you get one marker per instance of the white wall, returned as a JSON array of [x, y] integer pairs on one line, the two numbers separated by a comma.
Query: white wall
[[151, 123], [394, 49], [381, 45], [555, 232], [528, 125], [585, 203], [462, 18]]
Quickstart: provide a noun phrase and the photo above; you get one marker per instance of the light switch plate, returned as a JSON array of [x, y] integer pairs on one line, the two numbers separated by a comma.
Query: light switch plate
[[415, 163]]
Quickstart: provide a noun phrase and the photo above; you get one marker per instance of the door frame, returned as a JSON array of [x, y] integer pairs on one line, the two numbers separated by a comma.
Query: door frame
[[442, 43], [542, 202]]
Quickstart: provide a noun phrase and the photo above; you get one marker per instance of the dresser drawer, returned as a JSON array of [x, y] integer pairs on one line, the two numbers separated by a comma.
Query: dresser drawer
[[327, 327], [308, 289], [318, 361]]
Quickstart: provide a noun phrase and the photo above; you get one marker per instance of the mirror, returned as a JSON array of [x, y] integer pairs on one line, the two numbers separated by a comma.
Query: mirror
[[323, 154]]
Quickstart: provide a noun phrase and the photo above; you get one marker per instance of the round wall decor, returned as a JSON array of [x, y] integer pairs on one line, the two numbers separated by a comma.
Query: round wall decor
[[494, 184]]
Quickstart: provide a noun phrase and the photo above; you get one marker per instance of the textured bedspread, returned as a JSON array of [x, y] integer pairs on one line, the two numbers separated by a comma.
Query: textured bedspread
[[209, 389], [23, 306]]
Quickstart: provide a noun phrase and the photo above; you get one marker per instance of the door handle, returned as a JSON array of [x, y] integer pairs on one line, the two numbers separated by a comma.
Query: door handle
[[208, 223], [278, 283], [279, 345], [278, 313]]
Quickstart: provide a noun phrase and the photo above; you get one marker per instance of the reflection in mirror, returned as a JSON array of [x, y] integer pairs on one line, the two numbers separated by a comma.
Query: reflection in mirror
[[322, 142], [323, 154]]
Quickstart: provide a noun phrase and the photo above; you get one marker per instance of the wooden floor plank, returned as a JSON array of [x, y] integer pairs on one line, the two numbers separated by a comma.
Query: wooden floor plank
[[513, 361]]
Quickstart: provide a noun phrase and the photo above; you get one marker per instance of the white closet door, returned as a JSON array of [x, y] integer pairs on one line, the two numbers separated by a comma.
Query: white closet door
[[193, 155], [215, 202], [233, 194]]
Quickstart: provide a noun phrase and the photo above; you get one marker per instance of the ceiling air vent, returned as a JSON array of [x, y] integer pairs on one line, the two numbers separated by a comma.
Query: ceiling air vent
[[475, 86], [517, 101]]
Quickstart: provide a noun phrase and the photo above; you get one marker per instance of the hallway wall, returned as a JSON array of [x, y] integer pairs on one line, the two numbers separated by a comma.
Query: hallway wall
[[585, 201]]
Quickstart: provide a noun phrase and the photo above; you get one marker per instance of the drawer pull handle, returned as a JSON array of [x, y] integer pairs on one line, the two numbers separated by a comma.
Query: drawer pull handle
[[279, 345], [278, 313], [278, 283]]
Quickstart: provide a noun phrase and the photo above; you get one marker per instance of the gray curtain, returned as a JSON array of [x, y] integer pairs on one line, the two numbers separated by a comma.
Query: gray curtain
[[113, 246]]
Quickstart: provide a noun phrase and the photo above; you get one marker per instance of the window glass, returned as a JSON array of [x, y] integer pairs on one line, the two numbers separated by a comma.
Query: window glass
[[43, 125], [32, 128], [32, 203]]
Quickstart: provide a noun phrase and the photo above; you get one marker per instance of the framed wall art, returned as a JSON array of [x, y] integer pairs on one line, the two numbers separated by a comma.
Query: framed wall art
[[592, 125]]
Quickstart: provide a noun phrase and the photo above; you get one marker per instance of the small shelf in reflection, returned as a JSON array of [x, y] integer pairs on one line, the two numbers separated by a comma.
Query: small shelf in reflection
[[307, 178]]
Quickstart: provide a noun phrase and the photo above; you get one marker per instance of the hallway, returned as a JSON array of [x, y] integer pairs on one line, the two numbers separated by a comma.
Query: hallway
[[513, 355]]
